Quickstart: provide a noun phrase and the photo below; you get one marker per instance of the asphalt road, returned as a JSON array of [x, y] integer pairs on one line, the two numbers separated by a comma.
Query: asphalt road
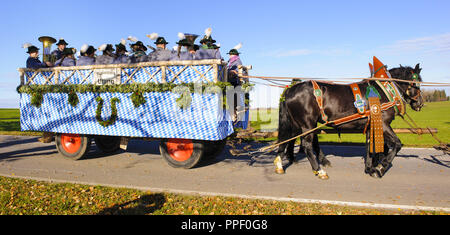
[[419, 178]]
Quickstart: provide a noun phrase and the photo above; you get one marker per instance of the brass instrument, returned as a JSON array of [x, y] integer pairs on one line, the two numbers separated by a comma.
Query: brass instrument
[[46, 52]]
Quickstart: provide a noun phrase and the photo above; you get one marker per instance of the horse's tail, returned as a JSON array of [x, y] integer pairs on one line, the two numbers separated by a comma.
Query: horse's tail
[[284, 122]]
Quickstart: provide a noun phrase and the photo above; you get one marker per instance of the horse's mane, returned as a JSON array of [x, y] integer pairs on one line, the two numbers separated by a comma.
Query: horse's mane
[[403, 72]]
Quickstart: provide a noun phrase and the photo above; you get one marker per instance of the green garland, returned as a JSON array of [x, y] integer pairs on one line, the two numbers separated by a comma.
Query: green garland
[[73, 99], [138, 99], [137, 90], [113, 117]]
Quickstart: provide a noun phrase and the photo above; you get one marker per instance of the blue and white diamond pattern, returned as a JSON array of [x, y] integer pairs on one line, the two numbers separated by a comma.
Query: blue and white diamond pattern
[[159, 117]]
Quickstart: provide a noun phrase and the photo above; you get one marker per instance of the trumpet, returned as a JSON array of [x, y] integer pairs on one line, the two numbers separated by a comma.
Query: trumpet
[[47, 45]]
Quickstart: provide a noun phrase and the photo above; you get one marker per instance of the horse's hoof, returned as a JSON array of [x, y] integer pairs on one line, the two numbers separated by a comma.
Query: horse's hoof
[[321, 174], [323, 177], [380, 171], [279, 165]]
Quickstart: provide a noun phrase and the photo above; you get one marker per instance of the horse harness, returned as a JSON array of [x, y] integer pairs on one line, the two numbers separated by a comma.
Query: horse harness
[[373, 111]]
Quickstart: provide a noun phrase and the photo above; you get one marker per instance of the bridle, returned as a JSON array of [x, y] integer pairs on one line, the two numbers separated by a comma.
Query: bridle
[[412, 84]]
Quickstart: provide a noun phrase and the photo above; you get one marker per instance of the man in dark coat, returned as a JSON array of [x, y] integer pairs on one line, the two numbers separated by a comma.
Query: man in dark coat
[[33, 61], [58, 52]]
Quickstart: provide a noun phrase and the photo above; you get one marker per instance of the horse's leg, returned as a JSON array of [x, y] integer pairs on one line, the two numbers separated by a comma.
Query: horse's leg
[[322, 159], [307, 143], [370, 160], [394, 144], [290, 151]]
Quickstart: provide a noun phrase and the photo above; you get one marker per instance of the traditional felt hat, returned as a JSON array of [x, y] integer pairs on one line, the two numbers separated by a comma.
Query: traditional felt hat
[[235, 51], [87, 50], [139, 44], [32, 49], [106, 47], [161, 40], [207, 38], [122, 45], [62, 42]]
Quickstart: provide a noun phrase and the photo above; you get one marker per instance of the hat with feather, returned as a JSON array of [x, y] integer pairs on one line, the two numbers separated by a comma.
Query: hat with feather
[[122, 45], [159, 40], [87, 50], [235, 51], [137, 45], [106, 47], [207, 38]]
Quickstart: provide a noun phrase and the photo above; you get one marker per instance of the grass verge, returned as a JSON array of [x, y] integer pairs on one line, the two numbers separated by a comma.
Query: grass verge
[[29, 197]]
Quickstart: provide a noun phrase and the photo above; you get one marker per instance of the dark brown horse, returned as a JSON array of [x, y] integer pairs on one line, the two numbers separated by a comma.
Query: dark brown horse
[[300, 112]]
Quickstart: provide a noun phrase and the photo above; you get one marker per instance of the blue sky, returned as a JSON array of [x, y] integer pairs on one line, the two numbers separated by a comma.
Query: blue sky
[[281, 38]]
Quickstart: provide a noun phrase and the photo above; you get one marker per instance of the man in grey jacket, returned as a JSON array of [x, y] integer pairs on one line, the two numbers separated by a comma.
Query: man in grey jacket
[[161, 53], [108, 56], [87, 55]]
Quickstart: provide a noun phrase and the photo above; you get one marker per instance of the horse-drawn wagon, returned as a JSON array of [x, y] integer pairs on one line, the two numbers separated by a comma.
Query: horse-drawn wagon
[[179, 103]]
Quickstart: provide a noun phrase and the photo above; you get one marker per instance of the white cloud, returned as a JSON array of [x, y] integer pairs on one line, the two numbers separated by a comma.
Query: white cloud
[[432, 44], [303, 52]]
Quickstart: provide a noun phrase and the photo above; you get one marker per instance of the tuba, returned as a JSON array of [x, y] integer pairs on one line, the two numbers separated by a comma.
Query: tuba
[[47, 45]]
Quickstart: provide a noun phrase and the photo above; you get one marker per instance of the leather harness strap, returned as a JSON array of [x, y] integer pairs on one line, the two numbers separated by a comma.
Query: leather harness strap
[[319, 98], [360, 104], [376, 138]]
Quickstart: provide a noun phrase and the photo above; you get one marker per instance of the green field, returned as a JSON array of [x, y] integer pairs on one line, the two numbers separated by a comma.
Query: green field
[[434, 115]]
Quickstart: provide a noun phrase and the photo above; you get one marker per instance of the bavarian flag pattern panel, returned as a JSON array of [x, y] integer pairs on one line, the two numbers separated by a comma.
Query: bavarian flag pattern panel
[[176, 74], [158, 117]]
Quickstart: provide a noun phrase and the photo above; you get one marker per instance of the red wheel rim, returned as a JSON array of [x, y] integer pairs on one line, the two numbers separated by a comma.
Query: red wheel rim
[[180, 149], [71, 143]]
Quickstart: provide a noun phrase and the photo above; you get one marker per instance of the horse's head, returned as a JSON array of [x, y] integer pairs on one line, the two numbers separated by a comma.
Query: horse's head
[[410, 90]]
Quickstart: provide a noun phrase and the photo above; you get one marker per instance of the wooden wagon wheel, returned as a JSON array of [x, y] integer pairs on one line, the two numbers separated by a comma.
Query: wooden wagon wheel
[[72, 146], [182, 153]]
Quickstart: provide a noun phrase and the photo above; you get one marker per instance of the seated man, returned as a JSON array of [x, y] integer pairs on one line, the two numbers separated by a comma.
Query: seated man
[[58, 52], [68, 58], [208, 50], [138, 52], [211, 51], [108, 55], [182, 53], [33, 62], [233, 64], [87, 55], [121, 56], [161, 53]]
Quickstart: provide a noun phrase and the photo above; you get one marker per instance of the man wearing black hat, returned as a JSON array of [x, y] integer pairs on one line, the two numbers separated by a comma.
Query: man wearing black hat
[[161, 53], [58, 52], [68, 58], [33, 62], [121, 50], [185, 44], [108, 55], [87, 55], [138, 52]]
